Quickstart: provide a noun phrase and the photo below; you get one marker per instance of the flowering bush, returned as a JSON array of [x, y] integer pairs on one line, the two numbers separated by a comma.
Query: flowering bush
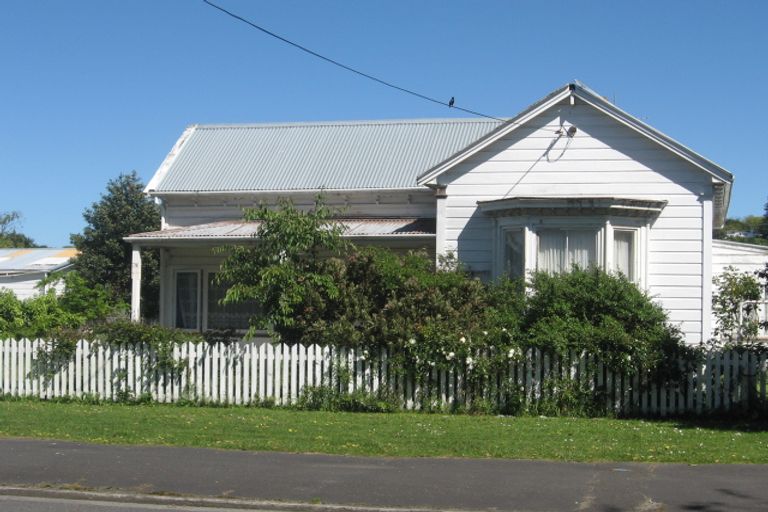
[[316, 288]]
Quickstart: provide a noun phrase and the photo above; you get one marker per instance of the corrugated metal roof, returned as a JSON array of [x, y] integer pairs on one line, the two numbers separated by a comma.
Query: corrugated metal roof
[[311, 156], [242, 230], [35, 260]]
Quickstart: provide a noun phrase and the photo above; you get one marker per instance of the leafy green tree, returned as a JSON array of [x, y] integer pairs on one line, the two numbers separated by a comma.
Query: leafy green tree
[[750, 225], [284, 272], [764, 224], [9, 237], [105, 258]]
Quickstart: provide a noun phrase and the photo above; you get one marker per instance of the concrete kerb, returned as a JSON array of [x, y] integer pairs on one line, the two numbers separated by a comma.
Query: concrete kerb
[[102, 496]]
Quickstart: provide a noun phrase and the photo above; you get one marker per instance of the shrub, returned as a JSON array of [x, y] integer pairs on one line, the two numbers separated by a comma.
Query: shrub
[[732, 289], [601, 314], [316, 288]]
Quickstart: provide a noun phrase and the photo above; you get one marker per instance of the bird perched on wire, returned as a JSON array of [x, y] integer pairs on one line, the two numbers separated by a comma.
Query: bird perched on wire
[[451, 101]]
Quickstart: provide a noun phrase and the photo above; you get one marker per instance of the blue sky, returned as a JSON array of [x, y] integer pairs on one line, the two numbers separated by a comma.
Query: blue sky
[[90, 89]]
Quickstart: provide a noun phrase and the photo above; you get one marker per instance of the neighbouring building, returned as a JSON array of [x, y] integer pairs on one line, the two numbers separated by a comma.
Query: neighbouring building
[[21, 270]]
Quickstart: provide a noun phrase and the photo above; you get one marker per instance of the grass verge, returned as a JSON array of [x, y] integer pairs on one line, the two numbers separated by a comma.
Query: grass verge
[[398, 434]]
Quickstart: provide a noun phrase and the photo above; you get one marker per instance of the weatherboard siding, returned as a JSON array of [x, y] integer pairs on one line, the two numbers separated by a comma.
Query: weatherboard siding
[[743, 257], [180, 211], [604, 158]]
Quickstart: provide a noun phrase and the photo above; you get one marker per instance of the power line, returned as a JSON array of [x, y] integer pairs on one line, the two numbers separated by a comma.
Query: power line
[[449, 104]]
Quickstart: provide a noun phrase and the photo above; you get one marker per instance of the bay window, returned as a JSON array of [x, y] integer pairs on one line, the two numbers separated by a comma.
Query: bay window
[[555, 234]]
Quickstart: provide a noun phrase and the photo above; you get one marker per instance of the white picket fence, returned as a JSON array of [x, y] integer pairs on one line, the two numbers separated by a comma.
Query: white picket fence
[[251, 372]]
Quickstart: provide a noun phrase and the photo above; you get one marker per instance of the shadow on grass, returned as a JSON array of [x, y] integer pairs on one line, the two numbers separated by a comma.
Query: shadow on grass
[[722, 423]]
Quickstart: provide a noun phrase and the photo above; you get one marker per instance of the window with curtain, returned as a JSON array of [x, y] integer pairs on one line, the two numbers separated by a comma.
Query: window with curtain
[[559, 250], [229, 316], [514, 253], [624, 253], [187, 305]]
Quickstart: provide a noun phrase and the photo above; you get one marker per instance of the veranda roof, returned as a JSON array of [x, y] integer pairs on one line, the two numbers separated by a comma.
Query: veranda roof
[[239, 230]]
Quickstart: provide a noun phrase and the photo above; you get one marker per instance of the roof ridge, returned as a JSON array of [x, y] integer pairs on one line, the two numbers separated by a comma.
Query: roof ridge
[[344, 123]]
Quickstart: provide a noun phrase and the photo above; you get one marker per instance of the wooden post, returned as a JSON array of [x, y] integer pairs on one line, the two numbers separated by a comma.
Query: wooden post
[[136, 284]]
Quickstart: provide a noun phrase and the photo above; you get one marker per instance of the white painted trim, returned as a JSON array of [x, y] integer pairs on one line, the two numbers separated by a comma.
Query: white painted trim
[[136, 283], [272, 192], [706, 274], [162, 171], [604, 226], [440, 222], [522, 118], [163, 285], [651, 133]]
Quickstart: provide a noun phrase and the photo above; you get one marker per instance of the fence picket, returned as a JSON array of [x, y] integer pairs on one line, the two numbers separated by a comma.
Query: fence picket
[[241, 372], [294, 376], [252, 388], [285, 359]]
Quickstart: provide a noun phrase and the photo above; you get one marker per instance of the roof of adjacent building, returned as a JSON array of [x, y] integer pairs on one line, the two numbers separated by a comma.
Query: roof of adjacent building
[[22, 261], [313, 156], [239, 230]]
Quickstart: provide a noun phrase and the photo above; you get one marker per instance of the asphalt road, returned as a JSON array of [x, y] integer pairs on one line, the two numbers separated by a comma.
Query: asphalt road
[[468, 484], [38, 504]]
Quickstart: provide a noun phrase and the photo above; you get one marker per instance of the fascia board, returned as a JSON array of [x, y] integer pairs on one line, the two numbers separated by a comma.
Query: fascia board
[[320, 191], [162, 171], [651, 133], [519, 120]]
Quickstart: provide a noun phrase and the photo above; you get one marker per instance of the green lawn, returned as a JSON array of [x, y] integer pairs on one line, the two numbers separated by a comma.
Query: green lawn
[[404, 434]]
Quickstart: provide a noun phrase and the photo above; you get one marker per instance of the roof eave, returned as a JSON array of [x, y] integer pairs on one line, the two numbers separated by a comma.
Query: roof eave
[[161, 193]]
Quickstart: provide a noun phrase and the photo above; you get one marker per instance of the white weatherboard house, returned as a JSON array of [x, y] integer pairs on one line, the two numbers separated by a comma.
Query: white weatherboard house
[[573, 179]]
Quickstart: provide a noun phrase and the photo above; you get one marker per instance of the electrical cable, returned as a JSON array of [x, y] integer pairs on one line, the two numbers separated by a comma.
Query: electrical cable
[[449, 104]]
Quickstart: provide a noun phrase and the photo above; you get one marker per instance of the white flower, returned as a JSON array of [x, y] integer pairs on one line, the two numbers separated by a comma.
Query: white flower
[[451, 355], [485, 333], [365, 352], [432, 363], [362, 357], [470, 361], [512, 353], [503, 329], [412, 341], [462, 340]]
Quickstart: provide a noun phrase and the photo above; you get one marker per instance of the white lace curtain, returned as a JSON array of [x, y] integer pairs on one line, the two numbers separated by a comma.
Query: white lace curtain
[[622, 253], [559, 250]]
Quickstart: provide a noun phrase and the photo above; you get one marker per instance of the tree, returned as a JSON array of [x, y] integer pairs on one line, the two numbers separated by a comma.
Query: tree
[[105, 257], [284, 272], [764, 225], [9, 237], [749, 229]]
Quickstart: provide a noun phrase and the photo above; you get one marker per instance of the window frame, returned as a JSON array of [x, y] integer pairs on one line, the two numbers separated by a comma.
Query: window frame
[[175, 294], [203, 275], [603, 224]]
